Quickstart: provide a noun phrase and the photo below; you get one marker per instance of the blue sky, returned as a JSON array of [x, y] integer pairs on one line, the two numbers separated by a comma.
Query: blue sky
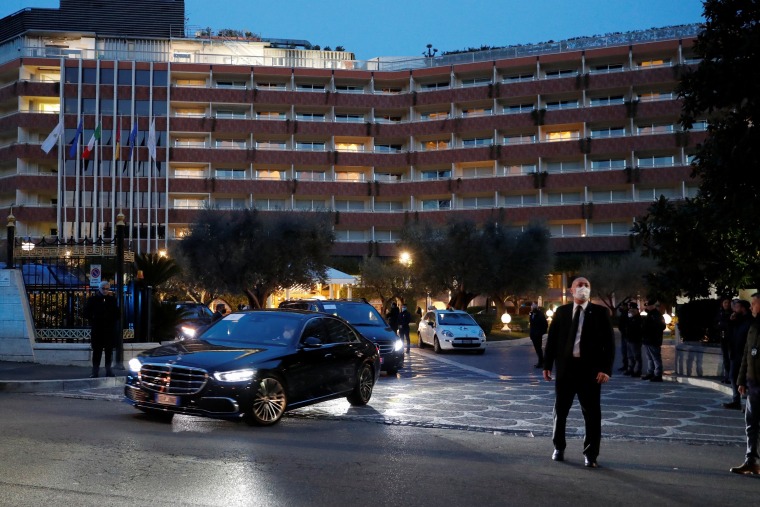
[[405, 27]]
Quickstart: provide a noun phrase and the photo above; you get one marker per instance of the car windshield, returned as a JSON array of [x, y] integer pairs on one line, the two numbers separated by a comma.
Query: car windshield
[[255, 328], [356, 314], [194, 311], [456, 319]]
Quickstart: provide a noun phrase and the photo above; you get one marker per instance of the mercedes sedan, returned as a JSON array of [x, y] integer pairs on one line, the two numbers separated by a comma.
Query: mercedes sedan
[[255, 365]]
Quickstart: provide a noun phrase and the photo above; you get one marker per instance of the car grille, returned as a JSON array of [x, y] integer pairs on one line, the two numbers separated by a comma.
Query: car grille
[[169, 379], [385, 348]]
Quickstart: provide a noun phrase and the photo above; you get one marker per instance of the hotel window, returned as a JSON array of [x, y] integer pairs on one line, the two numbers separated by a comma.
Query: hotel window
[[388, 148], [520, 139], [653, 194], [185, 173], [437, 115], [477, 202], [563, 135], [189, 203], [230, 114], [349, 89], [654, 62], [554, 74], [690, 158], [699, 126], [607, 101], [615, 131], [609, 164], [237, 144], [563, 197], [435, 175], [349, 176], [466, 113], [349, 118], [655, 96], [610, 196], [310, 116], [519, 169], [389, 206], [691, 60], [198, 83], [476, 142], [309, 204], [231, 203], [306, 87], [387, 236], [269, 85], [518, 201], [190, 113], [350, 236], [190, 143], [236, 85], [656, 129], [388, 118], [270, 115], [269, 204], [435, 145], [519, 108], [663, 161], [564, 167], [270, 174], [229, 174], [389, 90], [516, 78], [310, 175], [443, 85], [351, 147], [347, 205], [478, 81], [565, 230], [611, 229], [270, 145], [691, 192], [310, 146], [180, 232], [605, 69], [561, 104], [435, 204], [477, 172]]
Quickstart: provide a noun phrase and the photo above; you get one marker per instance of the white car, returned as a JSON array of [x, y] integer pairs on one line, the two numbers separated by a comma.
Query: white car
[[451, 330]]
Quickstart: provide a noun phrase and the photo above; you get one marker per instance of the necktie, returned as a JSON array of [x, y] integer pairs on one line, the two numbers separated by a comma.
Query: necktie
[[576, 320]]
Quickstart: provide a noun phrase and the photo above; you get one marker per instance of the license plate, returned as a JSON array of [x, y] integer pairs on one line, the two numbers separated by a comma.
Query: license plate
[[167, 399]]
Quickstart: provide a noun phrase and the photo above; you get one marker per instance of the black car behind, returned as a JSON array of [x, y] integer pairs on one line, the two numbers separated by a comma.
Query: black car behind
[[255, 365]]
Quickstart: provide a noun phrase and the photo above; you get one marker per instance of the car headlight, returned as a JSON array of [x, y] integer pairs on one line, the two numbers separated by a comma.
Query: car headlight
[[482, 334], [447, 333], [188, 331], [134, 365], [398, 345], [245, 375]]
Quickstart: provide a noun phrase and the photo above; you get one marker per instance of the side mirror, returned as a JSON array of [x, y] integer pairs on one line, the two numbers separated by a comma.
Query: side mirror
[[312, 342], [431, 323]]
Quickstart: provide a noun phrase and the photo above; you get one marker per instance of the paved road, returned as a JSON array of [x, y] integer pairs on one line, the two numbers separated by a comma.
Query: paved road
[[501, 392]]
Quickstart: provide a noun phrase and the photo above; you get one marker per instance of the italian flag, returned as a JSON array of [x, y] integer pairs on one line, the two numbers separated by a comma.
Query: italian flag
[[91, 143]]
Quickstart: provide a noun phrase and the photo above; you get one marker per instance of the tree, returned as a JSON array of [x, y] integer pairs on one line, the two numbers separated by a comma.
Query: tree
[[711, 240], [256, 254], [618, 278], [387, 281]]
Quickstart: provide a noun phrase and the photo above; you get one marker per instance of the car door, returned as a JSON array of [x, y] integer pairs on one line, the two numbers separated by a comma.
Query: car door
[[426, 329], [345, 349], [310, 374]]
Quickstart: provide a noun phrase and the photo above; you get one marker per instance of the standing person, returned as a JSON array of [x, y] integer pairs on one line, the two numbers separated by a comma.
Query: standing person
[[219, 313], [392, 316], [404, 319], [651, 336], [538, 326], [633, 332], [623, 311], [749, 386], [103, 312], [738, 339], [721, 328], [582, 342]]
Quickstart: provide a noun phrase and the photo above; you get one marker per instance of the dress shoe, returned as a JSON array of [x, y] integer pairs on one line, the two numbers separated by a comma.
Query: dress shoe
[[558, 455], [736, 405], [589, 462], [657, 378], [648, 376], [746, 468]]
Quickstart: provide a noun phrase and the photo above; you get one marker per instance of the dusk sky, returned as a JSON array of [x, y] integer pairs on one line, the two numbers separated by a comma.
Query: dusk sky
[[404, 27]]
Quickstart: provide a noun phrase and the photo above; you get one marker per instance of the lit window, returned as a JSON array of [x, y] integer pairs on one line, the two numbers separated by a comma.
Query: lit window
[[348, 176], [437, 115], [563, 135], [270, 174], [654, 62], [188, 173], [435, 145], [349, 147], [310, 175]]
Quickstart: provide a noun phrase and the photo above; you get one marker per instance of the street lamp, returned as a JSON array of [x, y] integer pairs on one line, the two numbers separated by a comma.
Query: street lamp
[[405, 258], [506, 318], [431, 51]]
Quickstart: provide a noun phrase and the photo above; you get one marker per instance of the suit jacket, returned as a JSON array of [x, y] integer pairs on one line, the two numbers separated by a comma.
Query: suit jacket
[[597, 341]]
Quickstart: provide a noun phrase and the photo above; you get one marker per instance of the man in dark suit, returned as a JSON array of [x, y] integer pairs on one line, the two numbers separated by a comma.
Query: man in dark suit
[[582, 343]]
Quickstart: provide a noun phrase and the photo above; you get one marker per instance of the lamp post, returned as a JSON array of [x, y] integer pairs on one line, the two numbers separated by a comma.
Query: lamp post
[[431, 51], [120, 289]]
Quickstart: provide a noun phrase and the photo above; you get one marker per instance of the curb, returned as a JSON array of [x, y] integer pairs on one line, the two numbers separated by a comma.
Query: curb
[[700, 382], [45, 386]]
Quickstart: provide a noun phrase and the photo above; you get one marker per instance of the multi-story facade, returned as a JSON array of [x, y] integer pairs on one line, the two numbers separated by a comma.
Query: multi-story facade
[[582, 134]]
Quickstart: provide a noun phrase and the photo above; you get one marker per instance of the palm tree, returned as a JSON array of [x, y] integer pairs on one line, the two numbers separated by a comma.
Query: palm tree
[[156, 269]]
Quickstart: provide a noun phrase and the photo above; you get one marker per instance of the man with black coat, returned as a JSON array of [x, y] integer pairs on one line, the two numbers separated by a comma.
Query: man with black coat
[[582, 342], [651, 336], [103, 312], [538, 326], [740, 326]]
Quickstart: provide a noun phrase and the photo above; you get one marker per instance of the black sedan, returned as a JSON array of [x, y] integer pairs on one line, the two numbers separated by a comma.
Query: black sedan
[[255, 365]]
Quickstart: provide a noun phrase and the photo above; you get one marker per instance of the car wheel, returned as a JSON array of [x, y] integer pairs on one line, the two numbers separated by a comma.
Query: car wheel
[[269, 402], [437, 346], [363, 390], [157, 415], [420, 343]]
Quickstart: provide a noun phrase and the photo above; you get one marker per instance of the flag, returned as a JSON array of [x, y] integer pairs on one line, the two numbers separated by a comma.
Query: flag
[[52, 138], [91, 143], [75, 142], [117, 146], [132, 137], [152, 139]]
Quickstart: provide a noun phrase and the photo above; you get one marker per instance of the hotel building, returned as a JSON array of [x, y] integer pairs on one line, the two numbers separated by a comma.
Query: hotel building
[[582, 134]]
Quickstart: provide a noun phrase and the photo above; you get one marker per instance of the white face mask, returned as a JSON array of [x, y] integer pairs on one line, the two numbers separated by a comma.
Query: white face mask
[[630, 314], [582, 293]]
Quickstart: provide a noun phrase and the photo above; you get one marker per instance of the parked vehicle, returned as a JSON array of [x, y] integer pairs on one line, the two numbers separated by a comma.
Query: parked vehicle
[[366, 319], [255, 365], [194, 317], [451, 330]]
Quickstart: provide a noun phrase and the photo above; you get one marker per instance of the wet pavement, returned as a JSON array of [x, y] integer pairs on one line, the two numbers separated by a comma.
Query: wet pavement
[[501, 392]]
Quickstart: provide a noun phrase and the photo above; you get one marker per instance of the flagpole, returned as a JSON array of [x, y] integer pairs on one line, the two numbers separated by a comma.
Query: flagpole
[[114, 158], [94, 199], [59, 228], [131, 180], [149, 200], [76, 184]]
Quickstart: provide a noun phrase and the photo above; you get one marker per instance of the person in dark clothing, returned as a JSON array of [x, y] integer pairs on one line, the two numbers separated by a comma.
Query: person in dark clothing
[[651, 336], [102, 310], [633, 332], [721, 331], [538, 327], [392, 317], [739, 329], [219, 313], [622, 310], [404, 319]]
